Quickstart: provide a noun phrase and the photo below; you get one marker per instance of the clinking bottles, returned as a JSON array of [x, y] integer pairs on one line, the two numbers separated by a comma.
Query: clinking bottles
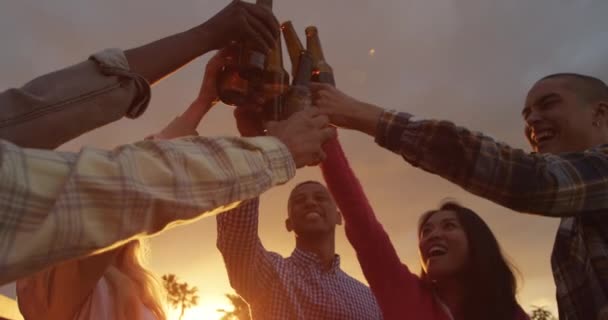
[[298, 96], [243, 68], [252, 60], [275, 83], [294, 45], [322, 71]]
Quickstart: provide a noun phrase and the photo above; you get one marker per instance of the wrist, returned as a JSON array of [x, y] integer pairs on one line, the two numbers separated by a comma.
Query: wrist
[[365, 118], [202, 37]]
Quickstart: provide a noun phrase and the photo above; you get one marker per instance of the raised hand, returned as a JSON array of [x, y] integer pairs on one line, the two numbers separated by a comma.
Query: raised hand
[[304, 134], [242, 21], [345, 111]]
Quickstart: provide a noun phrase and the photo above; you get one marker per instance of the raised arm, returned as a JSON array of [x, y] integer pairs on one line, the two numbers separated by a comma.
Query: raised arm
[[57, 107], [250, 267], [60, 206], [550, 185], [377, 256]]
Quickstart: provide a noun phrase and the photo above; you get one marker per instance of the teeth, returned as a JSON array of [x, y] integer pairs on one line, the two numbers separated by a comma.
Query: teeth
[[313, 215], [542, 135], [437, 250]]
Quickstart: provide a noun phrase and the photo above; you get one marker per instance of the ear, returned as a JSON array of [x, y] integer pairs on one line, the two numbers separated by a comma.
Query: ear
[[339, 216], [288, 225], [600, 113]]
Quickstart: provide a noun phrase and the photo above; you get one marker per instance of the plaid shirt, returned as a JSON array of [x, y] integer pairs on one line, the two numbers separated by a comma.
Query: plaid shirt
[[293, 288], [56, 206], [572, 186]]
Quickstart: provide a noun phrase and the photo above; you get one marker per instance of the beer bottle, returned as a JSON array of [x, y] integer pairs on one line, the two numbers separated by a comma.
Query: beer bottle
[[298, 97], [232, 89], [252, 60], [322, 71], [275, 83], [243, 63], [294, 45]]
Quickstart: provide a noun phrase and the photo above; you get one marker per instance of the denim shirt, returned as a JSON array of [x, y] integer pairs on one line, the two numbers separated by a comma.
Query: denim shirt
[[57, 107]]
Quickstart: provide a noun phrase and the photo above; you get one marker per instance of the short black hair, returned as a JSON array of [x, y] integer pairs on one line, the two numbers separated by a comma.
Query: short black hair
[[589, 88]]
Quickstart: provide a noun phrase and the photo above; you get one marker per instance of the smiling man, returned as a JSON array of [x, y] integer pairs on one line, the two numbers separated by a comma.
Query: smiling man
[[309, 284], [566, 119]]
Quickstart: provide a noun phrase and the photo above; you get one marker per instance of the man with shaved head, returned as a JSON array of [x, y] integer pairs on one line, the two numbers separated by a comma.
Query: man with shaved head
[[309, 284], [566, 176]]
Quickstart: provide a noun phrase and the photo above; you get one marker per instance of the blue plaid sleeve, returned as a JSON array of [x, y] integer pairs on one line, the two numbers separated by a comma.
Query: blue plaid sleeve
[[549, 185]]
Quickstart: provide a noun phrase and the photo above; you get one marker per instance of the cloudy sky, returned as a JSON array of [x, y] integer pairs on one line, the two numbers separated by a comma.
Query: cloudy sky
[[467, 61]]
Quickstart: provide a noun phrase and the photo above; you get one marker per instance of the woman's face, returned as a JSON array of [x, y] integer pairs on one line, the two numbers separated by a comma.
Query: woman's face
[[443, 245]]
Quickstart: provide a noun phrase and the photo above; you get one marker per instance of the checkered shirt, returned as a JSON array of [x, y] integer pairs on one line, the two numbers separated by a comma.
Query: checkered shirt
[[293, 288]]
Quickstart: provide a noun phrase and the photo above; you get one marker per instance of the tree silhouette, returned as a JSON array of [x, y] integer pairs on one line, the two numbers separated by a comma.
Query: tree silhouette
[[179, 294], [240, 311], [540, 313]]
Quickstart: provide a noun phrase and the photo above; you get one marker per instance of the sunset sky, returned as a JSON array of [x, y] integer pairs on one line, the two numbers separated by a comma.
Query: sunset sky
[[471, 62]]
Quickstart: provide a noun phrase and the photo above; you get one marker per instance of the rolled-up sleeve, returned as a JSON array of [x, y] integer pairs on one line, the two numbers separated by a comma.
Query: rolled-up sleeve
[[57, 107]]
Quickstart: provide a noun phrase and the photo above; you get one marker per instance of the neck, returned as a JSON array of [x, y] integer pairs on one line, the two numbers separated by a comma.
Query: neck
[[323, 245], [452, 293]]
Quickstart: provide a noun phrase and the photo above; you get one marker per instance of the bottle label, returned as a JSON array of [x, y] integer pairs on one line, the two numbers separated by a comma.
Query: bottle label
[[257, 59]]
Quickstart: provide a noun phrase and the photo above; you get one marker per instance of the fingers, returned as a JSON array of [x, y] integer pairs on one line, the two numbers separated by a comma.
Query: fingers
[[318, 158], [328, 133], [320, 121], [263, 34], [252, 34], [218, 59], [248, 123], [311, 112], [266, 17]]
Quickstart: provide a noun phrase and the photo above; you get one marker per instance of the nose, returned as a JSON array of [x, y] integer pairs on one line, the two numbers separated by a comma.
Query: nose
[[432, 234], [533, 117], [310, 202]]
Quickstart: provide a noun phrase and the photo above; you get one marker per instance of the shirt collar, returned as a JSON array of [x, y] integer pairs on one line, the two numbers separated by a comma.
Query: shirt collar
[[305, 258]]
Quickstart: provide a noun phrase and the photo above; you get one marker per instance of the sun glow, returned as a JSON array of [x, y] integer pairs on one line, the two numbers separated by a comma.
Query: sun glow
[[207, 310]]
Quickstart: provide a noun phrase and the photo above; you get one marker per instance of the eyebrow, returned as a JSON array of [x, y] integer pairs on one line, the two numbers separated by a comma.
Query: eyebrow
[[538, 101], [442, 221]]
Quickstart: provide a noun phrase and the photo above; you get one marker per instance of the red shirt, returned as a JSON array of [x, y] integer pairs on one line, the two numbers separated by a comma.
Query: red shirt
[[400, 293]]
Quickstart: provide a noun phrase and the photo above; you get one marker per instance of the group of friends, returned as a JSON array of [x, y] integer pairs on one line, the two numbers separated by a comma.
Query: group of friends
[[71, 223]]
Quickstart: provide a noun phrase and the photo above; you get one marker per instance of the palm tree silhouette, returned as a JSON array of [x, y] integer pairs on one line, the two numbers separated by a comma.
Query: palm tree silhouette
[[179, 294], [540, 313], [240, 311]]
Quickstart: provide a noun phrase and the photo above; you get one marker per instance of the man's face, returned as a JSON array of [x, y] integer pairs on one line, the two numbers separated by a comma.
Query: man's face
[[312, 210], [557, 119]]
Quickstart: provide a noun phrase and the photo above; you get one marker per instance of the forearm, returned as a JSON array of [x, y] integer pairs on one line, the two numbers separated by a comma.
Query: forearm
[[57, 107], [550, 185], [158, 59], [96, 200], [364, 231], [247, 261]]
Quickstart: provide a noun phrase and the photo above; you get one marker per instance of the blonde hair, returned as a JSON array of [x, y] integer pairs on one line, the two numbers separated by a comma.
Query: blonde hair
[[128, 275]]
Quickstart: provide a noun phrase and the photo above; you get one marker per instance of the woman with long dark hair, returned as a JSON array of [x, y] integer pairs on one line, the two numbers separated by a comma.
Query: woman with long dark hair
[[464, 273]]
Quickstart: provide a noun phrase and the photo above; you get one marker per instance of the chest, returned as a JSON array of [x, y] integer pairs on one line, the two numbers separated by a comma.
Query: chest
[[310, 293]]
